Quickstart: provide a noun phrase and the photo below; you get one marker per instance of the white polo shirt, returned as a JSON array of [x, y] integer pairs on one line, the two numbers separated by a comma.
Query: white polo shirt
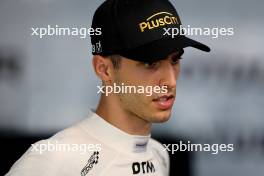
[[93, 147]]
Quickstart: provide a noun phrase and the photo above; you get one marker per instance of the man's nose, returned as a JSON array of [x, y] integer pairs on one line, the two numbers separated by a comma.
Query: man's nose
[[169, 75]]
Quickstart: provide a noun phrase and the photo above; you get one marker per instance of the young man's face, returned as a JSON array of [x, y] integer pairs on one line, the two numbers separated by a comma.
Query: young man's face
[[157, 107]]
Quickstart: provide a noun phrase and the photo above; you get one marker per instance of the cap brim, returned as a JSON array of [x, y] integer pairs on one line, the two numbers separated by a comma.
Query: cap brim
[[160, 49]]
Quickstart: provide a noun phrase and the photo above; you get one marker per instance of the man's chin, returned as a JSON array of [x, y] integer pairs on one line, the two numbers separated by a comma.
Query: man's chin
[[162, 116]]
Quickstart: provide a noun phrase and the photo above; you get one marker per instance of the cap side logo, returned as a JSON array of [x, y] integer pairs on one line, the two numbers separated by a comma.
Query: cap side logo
[[152, 22], [97, 47]]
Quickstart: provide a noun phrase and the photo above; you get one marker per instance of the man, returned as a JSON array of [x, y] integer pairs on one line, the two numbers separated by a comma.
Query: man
[[132, 50]]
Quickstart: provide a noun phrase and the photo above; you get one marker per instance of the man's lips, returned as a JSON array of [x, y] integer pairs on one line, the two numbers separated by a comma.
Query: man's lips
[[164, 102]]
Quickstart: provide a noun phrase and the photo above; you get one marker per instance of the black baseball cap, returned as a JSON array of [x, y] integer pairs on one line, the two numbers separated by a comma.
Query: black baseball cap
[[134, 29]]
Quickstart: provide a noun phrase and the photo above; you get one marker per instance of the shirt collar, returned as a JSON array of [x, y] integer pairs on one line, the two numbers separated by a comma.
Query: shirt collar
[[113, 136]]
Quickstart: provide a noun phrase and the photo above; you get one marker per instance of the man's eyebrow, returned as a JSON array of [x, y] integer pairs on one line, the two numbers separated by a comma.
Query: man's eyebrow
[[140, 63], [177, 54]]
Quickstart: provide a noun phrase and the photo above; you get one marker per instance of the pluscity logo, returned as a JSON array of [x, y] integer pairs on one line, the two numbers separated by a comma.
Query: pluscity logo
[[153, 22]]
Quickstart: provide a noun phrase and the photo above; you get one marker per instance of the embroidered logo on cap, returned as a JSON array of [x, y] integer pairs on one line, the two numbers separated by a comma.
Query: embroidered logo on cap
[[152, 22]]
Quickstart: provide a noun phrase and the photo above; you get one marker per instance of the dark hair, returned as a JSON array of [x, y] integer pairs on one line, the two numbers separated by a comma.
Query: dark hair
[[116, 60]]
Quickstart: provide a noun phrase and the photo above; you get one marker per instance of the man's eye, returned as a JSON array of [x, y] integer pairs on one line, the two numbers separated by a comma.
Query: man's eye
[[175, 61], [150, 64]]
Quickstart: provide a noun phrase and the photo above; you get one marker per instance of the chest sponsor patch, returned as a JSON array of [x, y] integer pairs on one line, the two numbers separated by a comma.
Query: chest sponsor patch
[[93, 160], [143, 167]]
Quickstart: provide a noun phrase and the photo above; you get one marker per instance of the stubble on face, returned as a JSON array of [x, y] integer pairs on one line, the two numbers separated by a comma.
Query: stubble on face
[[141, 106]]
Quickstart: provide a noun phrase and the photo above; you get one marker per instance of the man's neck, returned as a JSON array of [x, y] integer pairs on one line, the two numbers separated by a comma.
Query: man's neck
[[125, 121]]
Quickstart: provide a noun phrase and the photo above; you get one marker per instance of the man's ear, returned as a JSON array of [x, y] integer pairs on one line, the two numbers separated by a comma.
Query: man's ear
[[103, 67]]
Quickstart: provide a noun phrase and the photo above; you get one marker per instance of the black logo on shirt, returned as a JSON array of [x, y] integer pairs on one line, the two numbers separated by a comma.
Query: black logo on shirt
[[143, 167], [93, 160], [142, 145]]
